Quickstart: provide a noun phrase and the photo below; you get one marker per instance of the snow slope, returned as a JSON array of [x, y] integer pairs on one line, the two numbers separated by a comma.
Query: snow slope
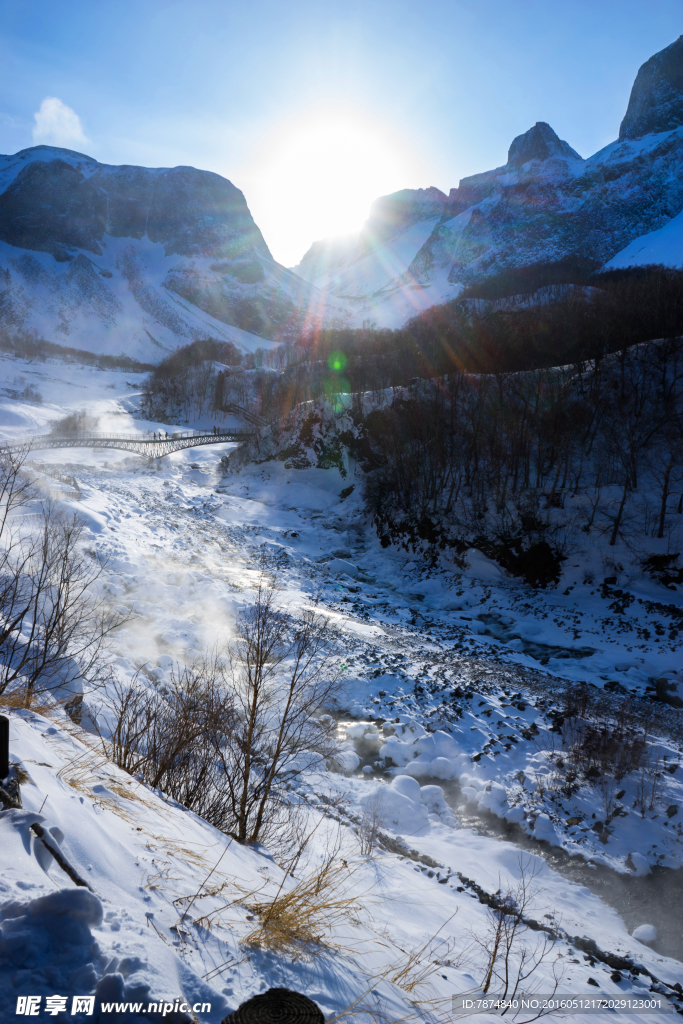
[[662, 246], [434, 680], [118, 305], [139, 261]]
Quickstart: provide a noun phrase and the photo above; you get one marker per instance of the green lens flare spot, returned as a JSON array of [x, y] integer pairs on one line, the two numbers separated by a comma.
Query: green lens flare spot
[[337, 361]]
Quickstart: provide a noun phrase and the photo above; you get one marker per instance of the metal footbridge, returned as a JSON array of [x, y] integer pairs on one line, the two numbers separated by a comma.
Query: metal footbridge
[[152, 445]]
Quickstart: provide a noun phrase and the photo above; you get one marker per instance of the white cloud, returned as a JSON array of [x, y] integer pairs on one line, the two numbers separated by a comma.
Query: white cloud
[[58, 125]]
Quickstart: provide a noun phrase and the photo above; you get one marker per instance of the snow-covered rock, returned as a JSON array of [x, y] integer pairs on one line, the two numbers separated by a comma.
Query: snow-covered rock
[[645, 933], [348, 760], [437, 744], [401, 805], [641, 865], [492, 798], [341, 567], [433, 798], [406, 786], [545, 830], [514, 814]]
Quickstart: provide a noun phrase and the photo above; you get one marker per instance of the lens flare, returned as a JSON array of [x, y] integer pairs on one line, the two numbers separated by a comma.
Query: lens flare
[[337, 362]]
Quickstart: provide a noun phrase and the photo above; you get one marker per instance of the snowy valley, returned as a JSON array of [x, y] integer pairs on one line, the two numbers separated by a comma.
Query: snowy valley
[[447, 787]]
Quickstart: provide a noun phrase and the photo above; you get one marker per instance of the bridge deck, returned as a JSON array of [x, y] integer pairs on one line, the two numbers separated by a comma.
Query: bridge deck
[[152, 444]]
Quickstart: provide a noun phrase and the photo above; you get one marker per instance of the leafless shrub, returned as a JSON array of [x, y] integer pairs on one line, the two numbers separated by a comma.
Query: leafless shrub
[[648, 783], [598, 744], [372, 821], [52, 630], [227, 740], [512, 956], [74, 424], [167, 738]]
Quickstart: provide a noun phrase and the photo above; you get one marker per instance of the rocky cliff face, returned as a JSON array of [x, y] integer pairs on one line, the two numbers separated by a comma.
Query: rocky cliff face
[[137, 260], [545, 204], [656, 103], [63, 204]]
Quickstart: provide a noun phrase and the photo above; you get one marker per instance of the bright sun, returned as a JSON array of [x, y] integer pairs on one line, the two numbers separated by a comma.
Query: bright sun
[[318, 177]]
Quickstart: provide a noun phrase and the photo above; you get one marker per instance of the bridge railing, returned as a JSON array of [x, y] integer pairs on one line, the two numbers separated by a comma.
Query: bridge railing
[[140, 437]]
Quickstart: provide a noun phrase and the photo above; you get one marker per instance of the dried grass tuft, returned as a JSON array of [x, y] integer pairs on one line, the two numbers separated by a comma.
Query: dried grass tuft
[[298, 921], [25, 699], [414, 967]]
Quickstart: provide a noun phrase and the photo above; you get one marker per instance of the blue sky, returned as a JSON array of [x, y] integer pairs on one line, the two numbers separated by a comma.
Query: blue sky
[[315, 108]]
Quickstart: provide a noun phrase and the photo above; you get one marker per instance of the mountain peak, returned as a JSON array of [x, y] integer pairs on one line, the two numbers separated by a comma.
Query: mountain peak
[[656, 102], [539, 143]]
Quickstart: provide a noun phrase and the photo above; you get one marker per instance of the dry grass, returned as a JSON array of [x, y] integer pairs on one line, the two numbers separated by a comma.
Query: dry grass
[[83, 768], [368, 1008], [302, 919], [22, 698], [414, 967]]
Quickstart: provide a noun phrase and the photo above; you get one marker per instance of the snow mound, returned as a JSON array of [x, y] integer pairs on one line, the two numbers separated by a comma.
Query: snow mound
[[48, 940], [402, 805], [341, 567]]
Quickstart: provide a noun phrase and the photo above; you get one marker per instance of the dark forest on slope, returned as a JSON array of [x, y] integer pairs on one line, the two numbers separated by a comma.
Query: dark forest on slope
[[546, 401]]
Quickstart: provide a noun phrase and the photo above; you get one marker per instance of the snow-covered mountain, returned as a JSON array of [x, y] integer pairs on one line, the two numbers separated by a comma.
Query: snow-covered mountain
[[137, 260], [420, 247]]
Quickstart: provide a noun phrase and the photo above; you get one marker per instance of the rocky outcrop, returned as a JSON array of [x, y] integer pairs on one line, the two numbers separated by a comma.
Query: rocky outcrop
[[60, 202], [656, 103], [390, 216], [539, 143]]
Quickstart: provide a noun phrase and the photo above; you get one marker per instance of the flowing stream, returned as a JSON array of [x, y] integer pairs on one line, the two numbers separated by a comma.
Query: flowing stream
[[655, 899]]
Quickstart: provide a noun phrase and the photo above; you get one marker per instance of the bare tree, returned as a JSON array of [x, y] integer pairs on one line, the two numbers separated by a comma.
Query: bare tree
[[281, 675]]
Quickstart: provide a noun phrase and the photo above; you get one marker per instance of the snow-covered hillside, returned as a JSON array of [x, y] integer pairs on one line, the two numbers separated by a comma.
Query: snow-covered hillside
[[543, 205], [138, 261], [662, 246], [449, 730]]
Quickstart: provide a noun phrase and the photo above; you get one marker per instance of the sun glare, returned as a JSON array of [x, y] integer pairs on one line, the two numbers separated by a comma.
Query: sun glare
[[318, 177]]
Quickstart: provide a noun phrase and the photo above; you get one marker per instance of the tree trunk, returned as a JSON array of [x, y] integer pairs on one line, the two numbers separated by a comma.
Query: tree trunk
[[617, 521], [665, 496]]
